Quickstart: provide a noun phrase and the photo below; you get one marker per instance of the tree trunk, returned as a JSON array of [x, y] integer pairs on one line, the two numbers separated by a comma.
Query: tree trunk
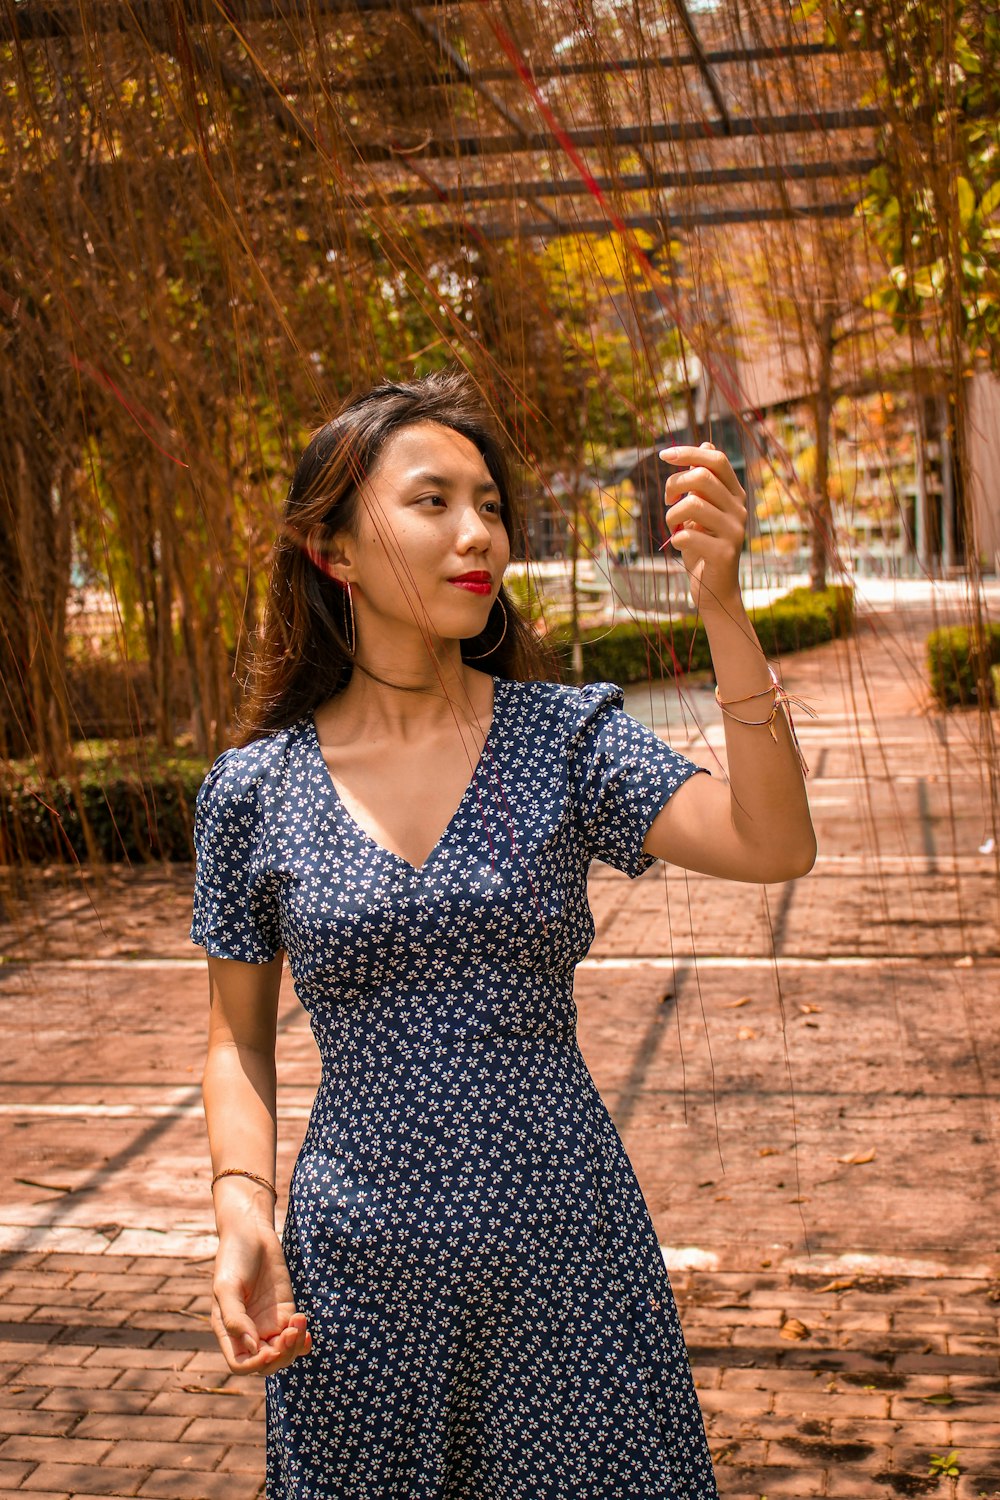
[[821, 510], [574, 592]]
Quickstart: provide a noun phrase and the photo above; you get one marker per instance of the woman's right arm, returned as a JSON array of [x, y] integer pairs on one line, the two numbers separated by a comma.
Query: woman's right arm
[[253, 1306]]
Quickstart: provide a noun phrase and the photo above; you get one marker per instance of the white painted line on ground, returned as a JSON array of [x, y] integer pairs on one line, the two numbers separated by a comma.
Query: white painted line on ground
[[713, 960], [859, 1263], [142, 1110], [201, 1246], [81, 1240], [835, 961]]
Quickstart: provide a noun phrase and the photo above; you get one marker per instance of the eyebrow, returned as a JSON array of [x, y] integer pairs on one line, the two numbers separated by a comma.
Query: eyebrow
[[424, 477]]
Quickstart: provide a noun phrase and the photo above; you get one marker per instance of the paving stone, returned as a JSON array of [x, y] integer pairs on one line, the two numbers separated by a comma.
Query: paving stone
[[139, 1359], [244, 1459], [118, 1283], [19, 1397], [179, 1484], [76, 1376], [34, 1419], [25, 1333], [55, 1354], [738, 1483], [120, 1338], [114, 1400], [138, 1453], [240, 1405], [66, 1450], [7, 1494], [981, 1486], [83, 1479], [132, 1425], [13, 1474], [142, 1380], [66, 1315]]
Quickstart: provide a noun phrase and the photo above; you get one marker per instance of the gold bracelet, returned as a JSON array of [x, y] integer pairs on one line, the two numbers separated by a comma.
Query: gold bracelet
[[242, 1172], [780, 697]]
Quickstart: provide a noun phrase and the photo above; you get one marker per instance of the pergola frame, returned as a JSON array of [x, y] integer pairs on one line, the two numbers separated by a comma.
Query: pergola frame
[[39, 19]]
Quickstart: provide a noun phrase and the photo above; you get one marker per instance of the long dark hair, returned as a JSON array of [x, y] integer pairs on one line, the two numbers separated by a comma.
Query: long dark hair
[[301, 656]]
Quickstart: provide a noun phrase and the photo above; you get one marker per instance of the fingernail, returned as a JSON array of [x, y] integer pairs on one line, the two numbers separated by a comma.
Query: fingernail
[[668, 452], [249, 1343]]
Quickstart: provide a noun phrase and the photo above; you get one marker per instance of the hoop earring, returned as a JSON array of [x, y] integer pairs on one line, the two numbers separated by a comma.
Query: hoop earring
[[477, 655], [350, 615]]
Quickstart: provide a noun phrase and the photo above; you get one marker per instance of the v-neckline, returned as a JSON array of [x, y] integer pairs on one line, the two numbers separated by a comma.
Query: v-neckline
[[369, 838]]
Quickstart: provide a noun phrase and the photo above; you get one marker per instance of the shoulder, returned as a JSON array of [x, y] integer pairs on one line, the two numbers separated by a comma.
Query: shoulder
[[566, 706], [239, 777]]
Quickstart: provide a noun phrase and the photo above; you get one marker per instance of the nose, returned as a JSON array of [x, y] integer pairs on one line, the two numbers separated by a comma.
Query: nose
[[473, 531]]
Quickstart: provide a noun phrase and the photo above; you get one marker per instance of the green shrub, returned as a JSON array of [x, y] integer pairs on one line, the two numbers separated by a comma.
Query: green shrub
[[133, 818], [631, 652], [129, 818], [958, 656]]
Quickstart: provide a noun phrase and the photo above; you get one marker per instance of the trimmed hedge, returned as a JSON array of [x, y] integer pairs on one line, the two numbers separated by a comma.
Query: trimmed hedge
[[630, 652], [130, 817], [152, 817], [956, 657]]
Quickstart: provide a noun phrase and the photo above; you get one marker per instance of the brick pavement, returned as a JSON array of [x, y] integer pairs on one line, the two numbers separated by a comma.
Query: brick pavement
[[810, 1384], [803, 1077]]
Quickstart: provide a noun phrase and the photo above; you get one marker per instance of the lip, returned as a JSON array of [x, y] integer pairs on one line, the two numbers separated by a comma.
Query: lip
[[476, 583]]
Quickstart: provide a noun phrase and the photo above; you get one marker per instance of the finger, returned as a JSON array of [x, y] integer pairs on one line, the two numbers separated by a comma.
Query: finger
[[232, 1322], [704, 482], [280, 1356], [709, 457], [695, 512]]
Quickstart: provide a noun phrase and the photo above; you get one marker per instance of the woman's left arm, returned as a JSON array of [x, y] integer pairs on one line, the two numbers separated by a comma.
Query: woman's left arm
[[758, 827]]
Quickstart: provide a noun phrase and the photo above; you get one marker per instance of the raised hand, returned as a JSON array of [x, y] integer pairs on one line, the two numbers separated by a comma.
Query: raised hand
[[253, 1306], [706, 515]]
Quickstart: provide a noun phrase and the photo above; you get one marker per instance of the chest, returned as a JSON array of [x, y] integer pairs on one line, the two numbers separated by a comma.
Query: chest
[[404, 798]]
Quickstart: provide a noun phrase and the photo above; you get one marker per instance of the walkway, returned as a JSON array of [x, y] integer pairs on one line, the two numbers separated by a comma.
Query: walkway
[[804, 1076]]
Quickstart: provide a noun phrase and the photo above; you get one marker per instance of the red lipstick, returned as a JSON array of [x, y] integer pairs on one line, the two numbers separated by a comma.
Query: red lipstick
[[476, 583]]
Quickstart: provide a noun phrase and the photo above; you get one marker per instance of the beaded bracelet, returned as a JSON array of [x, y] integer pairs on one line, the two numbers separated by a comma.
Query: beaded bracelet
[[242, 1172], [780, 697]]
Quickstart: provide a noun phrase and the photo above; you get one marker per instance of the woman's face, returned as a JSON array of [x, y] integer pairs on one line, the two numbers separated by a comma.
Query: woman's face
[[428, 514]]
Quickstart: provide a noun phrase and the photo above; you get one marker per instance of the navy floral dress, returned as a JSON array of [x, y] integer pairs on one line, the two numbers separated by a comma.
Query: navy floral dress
[[490, 1312]]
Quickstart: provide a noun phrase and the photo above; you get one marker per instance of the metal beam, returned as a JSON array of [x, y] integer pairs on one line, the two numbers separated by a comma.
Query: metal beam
[[50, 18], [632, 136], [651, 223], [854, 166], [717, 57], [614, 65], [711, 82], [489, 94]]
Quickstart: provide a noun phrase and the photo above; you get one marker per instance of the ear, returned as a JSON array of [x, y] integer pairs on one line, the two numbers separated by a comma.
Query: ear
[[329, 553]]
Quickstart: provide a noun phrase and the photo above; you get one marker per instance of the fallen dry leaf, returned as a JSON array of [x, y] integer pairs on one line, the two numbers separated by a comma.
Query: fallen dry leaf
[[858, 1159], [768, 1151], [210, 1390], [964, 963], [746, 1034], [735, 1004], [843, 1285], [808, 1009], [794, 1330]]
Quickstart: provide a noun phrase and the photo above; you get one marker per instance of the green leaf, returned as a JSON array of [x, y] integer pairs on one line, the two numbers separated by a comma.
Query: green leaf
[[940, 1398], [966, 200], [990, 201]]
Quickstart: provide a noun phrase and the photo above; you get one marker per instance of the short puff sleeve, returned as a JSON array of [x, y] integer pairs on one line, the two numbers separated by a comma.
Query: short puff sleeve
[[235, 909], [621, 775]]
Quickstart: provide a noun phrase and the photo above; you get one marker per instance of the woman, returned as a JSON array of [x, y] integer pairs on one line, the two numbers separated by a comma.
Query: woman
[[468, 1297]]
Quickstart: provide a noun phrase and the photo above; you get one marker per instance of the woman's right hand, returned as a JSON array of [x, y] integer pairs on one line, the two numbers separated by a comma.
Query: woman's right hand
[[253, 1305]]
